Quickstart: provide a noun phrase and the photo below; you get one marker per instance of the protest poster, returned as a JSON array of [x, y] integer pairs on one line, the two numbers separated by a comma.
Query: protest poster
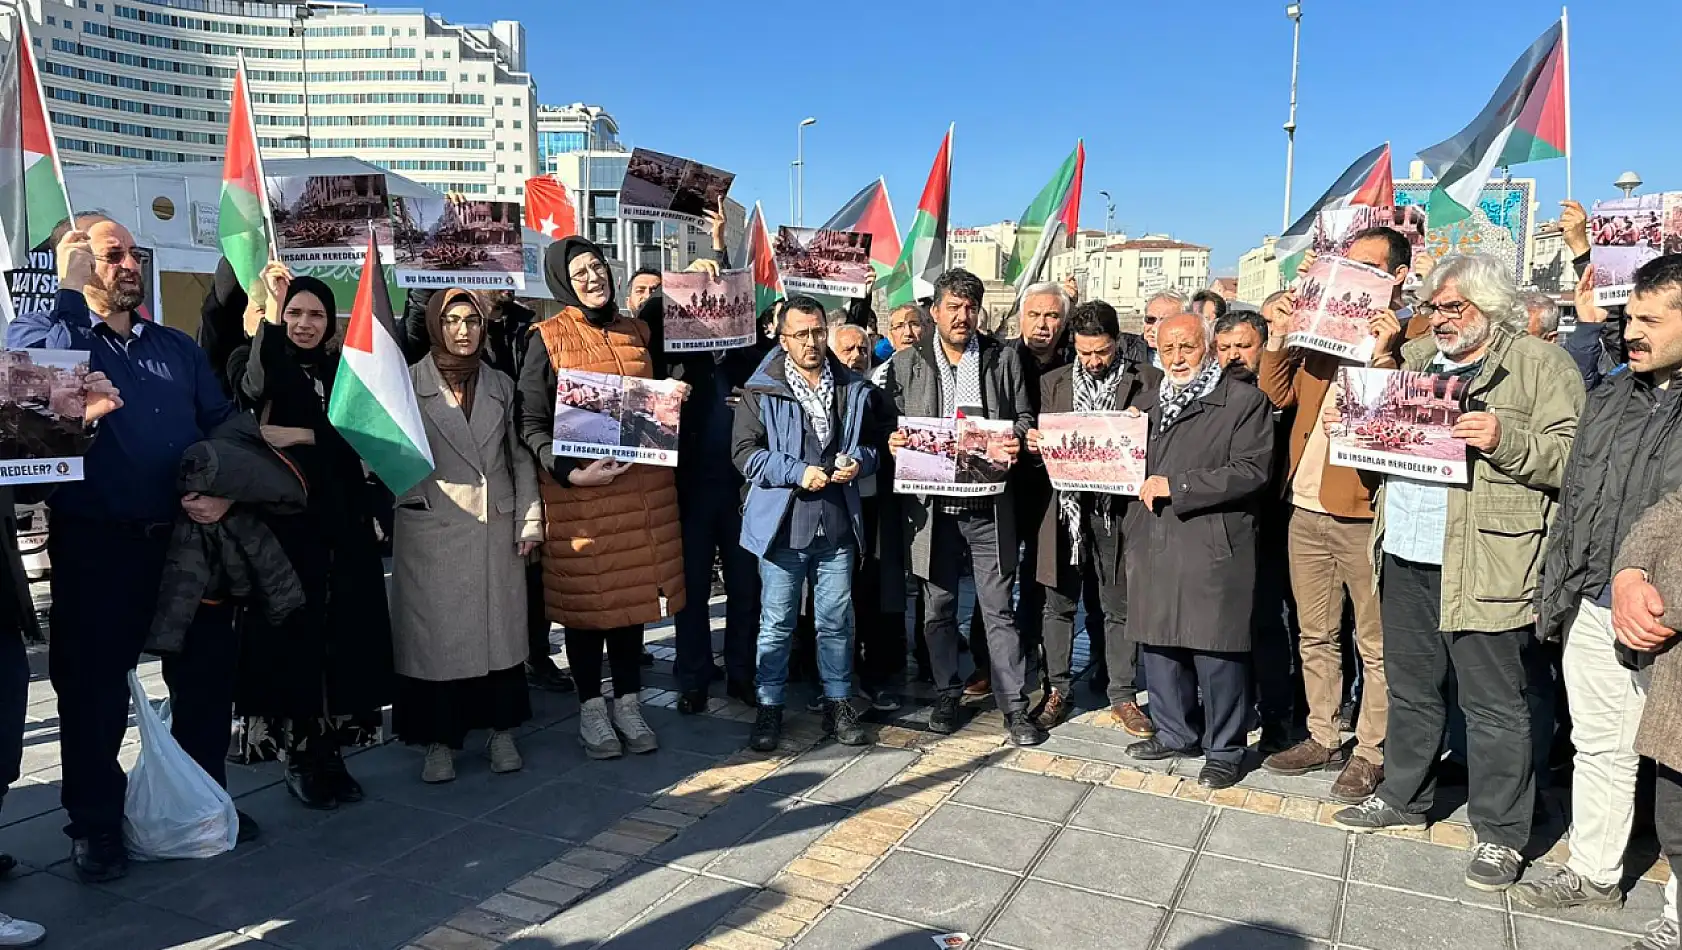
[[1335, 228], [706, 314], [34, 285], [599, 415], [445, 242], [324, 219], [1625, 233], [816, 261], [661, 187], [960, 456], [1335, 300], [1398, 422], [41, 407], [1095, 451]]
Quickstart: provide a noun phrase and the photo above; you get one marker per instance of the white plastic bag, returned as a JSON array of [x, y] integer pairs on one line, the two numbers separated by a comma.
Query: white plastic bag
[[174, 809]]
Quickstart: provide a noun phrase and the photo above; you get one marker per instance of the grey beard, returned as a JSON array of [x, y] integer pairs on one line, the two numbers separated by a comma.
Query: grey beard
[[126, 300], [1470, 339]]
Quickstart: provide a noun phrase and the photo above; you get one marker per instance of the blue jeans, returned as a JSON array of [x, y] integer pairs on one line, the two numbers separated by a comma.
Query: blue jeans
[[783, 575]]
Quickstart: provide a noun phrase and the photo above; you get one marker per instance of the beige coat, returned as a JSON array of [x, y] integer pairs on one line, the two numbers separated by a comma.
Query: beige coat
[[458, 604]]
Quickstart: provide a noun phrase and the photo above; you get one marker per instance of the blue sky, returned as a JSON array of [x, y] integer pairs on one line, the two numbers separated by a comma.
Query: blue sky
[[1180, 103]]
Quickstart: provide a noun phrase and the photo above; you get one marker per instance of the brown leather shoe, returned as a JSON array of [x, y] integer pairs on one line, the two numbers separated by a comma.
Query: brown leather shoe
[[1053, 711], [1304, 757], [1358, 781], [1133, 720], [979, 684]]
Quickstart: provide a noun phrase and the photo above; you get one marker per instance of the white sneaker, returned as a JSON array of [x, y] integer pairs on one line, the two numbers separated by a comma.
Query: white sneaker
[[504, 756], [627, 718], [20, 933], [596, 732], [440, 765]]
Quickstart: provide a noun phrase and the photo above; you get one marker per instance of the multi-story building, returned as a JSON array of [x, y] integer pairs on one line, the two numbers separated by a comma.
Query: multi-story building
[[1258, 272], [149, 81], [1552, 269], [574, 128], [1129, 272], [978, 251]]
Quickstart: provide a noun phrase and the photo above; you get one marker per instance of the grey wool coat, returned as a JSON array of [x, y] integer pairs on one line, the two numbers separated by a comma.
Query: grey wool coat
[[1651, 547], [912, 385], [1191, 563], [458, 600]]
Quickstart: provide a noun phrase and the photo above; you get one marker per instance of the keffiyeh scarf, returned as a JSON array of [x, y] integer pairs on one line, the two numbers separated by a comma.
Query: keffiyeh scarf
[[816, 402], [1092, 394], [1175, 399], [960, 386]]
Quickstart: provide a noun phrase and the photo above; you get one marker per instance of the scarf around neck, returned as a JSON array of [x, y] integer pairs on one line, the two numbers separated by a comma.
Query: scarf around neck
[[1175, 399], [1092, 394], [816, 401], [460, 374], [960, 386]]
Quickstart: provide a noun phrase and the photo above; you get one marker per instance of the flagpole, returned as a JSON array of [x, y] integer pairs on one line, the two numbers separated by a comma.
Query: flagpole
[[1565, 44]]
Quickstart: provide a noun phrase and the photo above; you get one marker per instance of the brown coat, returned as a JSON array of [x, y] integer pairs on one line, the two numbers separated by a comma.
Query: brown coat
[[1300, 379], [1651, 546], [609, 553]]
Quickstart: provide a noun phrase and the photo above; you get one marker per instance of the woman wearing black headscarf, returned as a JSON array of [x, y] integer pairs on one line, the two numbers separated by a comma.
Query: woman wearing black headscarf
[[226, 322], [612, 551], [319, 681]]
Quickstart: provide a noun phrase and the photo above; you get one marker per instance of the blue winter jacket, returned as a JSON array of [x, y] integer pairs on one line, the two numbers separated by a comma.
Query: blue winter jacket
[[769, 437]]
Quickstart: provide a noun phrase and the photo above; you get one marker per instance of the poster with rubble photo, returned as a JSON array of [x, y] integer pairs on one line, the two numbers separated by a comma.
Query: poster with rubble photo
[[599, 415], [448, 242], [1335, 301], [960, 456], [41, 407], [34, 285], [706, 314], [1095, 451], [816, 261], [1626, 233], [324, 219], [1398, 422], [1336, 228], [661, 187]]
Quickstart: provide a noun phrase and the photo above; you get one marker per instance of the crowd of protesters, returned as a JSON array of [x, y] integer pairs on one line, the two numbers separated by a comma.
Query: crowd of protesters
[[1250, 585]]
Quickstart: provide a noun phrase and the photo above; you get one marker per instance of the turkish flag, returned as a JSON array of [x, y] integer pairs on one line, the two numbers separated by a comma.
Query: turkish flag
[[549, 211]]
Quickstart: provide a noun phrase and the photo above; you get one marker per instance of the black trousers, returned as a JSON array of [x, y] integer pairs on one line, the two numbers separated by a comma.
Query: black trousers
[[881, 631], [711, 522], [14, 700], [537, 618], [624, 660], [1667, 814], [1118, 655], [1280, 699], [1490, 670], [105, 590], [972, 537], [1199, 699]]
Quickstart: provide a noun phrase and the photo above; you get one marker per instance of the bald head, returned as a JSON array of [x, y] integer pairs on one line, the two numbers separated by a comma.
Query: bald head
[[114, 285], [1182, 343], [851, 345]]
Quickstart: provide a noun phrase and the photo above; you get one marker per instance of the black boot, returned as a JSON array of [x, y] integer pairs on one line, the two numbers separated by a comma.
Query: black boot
[[346, 790], [307, 780], [767, 729]]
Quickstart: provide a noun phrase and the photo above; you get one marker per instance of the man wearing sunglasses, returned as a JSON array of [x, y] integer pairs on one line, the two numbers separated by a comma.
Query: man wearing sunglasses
[[1461, 563], [1157, 309], [109, 534]]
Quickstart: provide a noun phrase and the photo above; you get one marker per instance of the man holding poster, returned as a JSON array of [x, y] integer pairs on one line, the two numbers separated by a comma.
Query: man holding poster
[[1461, 563], [960, 370], [1080, 536]]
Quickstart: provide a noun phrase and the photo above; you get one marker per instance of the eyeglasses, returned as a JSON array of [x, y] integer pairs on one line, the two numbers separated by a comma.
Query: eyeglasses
[[472, 323], [1452, 308], [905, 325], [1151, 321], [808, 337], [117, 256]]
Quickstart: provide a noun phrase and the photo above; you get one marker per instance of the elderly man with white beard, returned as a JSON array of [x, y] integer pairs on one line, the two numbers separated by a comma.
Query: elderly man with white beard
[[1460, 565]]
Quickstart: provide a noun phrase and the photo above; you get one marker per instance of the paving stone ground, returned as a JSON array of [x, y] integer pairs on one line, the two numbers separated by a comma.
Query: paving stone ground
[[814, 847]]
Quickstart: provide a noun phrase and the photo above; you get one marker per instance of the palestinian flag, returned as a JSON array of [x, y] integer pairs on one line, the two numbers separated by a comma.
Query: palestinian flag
[[755, 255], [1052, 219], [1524, 122], [869, 212], [244, 225], [373, 404], [33, 200], [1366, 183], [924, 255]]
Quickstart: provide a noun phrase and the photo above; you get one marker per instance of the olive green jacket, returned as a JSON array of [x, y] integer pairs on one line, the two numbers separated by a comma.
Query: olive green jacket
[[1497, 528]]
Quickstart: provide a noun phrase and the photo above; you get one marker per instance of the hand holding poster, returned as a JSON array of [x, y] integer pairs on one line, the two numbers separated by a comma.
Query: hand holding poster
[[959, 456], [1398, 422], [444, 242], [661, 187], [1095, 451], [814, 261], [1626, 233], [599, 415], [1335, 301], [42, 402], [324, 219], [706, 314]]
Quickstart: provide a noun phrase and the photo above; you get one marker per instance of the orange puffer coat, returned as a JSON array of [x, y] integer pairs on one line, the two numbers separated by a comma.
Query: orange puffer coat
[[609, 553]]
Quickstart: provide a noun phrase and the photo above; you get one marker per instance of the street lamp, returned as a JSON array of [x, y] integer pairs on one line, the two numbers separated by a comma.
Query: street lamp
[[1109, 228], [303, 13], [1294, 12], [303, 140], [800, 170], [1627, 183]]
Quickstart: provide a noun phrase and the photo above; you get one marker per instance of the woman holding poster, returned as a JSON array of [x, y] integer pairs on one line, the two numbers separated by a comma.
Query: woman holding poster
[[317, 682], [460, 543], [612, 550]]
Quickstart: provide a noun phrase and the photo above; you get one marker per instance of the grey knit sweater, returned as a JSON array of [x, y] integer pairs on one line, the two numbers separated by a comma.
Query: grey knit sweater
[[1652, 546]]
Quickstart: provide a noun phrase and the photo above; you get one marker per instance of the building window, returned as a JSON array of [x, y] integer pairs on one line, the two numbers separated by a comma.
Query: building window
[[463, 77], [499, 146], [501, 190], [519, 190], [519, 146], [481, 77], [519, 169], [499, 123], [428, 54], [516, 102], [691, 248], [517, 122], [448, 54], [500, 170], [99, 8], [52, 21], [1151, 261], [499, 100]]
